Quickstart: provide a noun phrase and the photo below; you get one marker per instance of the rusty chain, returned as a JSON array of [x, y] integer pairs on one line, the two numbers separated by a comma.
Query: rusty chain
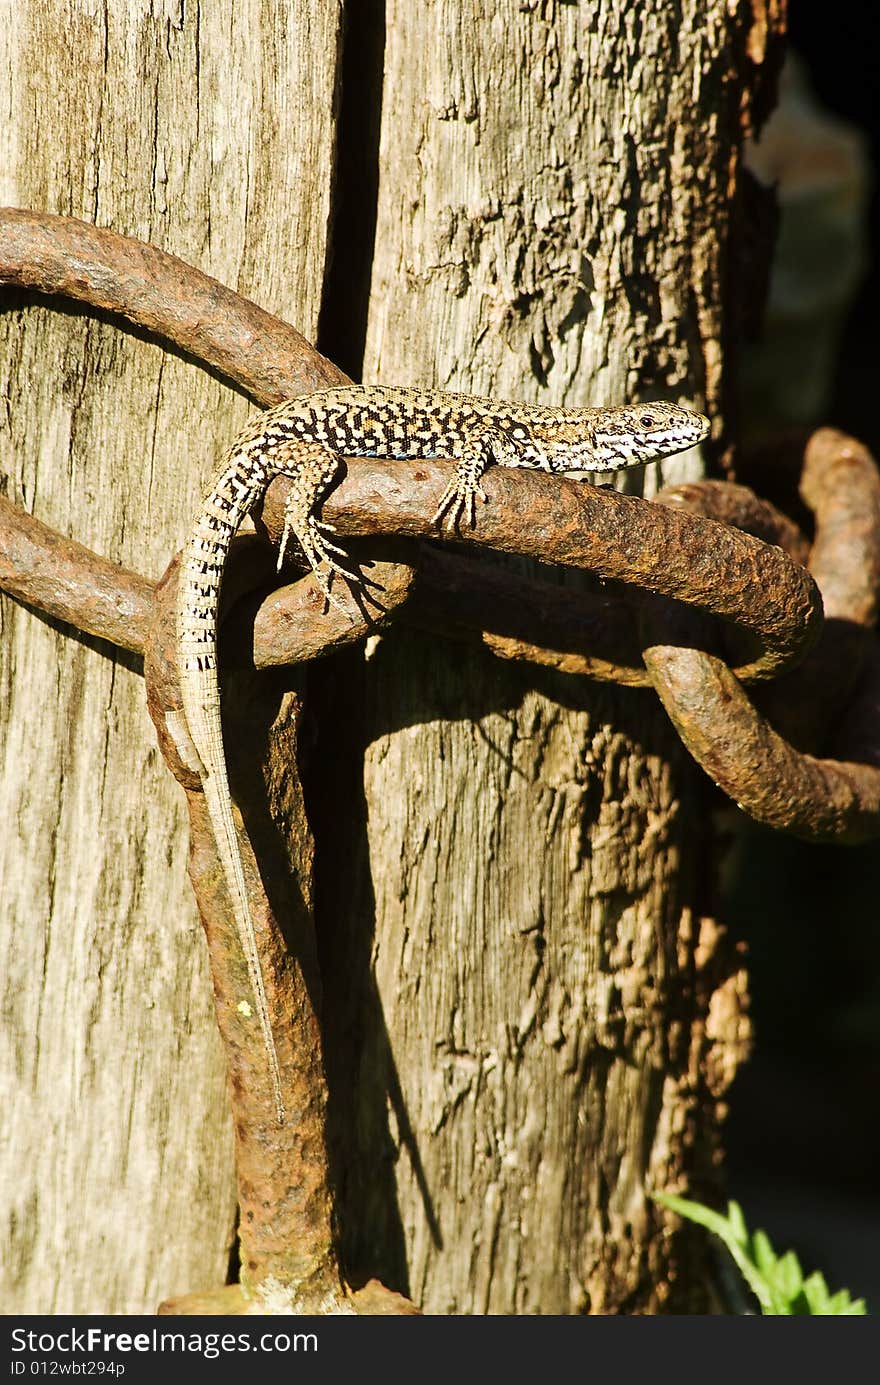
[[698, 593]]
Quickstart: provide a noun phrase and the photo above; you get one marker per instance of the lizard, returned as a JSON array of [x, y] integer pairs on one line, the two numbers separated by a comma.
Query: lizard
[[305, 439]]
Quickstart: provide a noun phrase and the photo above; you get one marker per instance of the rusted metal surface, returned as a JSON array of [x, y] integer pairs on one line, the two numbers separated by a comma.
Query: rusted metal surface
[[460, 596], [165, 296], [647, 546], [69, 582], [706, 553], [287, 1242], [589, 633], [373, 1300], [291, 625], [463, 598], [284, 1192], [738, 506], [817, 800], [772, 780], [840, 484]]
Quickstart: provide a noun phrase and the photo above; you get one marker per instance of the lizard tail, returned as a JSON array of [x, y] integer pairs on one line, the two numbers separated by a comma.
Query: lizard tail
[[219, 803], [204, 558]]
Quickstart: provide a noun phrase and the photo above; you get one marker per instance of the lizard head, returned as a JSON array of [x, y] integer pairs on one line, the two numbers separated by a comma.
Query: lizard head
[[638, 433]]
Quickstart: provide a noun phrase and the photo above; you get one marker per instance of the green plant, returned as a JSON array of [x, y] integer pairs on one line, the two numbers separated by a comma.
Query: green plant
[[777, 1281]]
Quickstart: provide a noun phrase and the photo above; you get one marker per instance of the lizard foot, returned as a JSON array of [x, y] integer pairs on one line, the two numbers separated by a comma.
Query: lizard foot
[[459, 499], [323, 557]]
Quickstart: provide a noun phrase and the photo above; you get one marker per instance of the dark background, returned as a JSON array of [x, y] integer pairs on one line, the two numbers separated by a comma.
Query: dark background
[[804, 1134], [840, 46]]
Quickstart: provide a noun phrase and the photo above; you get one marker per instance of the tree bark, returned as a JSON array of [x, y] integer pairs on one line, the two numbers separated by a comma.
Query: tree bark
[[209, 131], [535, 1017], [530, 1015]]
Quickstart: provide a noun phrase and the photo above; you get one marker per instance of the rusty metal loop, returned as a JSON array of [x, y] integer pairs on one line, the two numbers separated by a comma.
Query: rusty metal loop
[[816, 800], [762, 771], [839, 483], [637, 543], [176, 303], [613, 536], [738, 506], [67, 581], [694, 559], [597, 530], [749, 576], [456, 595]]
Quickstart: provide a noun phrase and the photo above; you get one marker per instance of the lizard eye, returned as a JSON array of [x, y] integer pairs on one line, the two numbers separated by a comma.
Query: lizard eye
[[647, 420]]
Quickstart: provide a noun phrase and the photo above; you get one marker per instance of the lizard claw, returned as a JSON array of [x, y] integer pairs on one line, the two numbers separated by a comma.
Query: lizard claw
[[314, 543], [323, 580], [453, 503], [285, 540]]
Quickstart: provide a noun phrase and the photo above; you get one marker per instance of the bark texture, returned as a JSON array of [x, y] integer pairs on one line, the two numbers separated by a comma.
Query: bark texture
[[208, 130], [535, 1020], [529, 1018]]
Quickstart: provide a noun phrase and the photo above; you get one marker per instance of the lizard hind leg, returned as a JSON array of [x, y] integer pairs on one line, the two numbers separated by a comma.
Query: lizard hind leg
[[311, 467], [478, 452]]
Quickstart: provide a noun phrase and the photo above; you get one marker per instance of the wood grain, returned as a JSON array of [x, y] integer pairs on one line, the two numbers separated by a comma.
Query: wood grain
[[516, 963], [208, 131]]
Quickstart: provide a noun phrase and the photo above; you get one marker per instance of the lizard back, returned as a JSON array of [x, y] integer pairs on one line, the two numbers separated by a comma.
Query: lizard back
[[304, 438]]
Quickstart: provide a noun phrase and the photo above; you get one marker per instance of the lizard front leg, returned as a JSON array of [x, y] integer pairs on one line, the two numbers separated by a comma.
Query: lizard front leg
[[478, 451]]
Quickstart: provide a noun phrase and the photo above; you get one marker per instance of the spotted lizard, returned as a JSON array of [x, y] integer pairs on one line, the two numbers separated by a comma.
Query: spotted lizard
[[304, 440]]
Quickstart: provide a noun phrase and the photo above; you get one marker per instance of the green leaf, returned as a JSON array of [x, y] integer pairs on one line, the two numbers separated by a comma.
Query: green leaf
[[788, 1277], [763, 1253], [737, 1223], [777, 1282], [728, 1231], [837, 1305]]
